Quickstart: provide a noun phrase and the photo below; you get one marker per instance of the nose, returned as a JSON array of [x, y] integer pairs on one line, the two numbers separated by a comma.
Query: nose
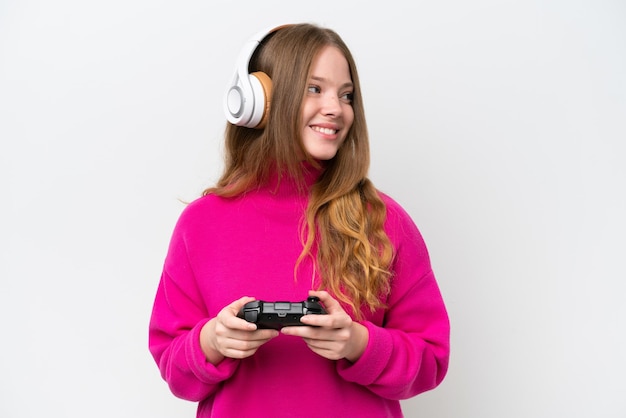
[[331, 105]]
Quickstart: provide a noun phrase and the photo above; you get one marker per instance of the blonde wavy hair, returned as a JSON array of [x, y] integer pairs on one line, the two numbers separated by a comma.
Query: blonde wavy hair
[[343, 223]]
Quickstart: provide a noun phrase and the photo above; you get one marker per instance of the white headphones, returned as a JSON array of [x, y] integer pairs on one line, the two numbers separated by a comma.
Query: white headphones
[[247, 99]]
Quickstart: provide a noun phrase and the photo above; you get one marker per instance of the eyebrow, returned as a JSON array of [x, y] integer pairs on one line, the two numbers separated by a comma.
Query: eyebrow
[[322, 79]]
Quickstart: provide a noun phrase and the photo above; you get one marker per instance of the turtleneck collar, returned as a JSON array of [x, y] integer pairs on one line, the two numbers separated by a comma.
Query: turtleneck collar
[[285, 184]]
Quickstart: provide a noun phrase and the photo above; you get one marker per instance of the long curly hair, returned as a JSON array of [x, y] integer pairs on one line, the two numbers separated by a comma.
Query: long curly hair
[[343, 226]]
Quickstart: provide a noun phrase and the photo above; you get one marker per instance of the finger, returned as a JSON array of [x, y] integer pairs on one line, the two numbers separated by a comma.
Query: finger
[[233, 347], [296, 331], [336, 316], [326, 353], [240, 349], [330, 304], [250, 340], [309, 333], [236, 323], [262, 335], [316, 320], [228, 316], [239, 303]]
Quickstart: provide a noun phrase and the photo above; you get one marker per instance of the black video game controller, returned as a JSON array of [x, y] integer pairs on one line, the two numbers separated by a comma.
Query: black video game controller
[[275, 315]]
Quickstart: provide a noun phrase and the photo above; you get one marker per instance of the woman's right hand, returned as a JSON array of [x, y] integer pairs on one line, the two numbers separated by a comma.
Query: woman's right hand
[[227, 335]]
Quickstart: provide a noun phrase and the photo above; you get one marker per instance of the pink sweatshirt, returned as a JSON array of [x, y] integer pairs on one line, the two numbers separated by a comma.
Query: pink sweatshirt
[[223, 249]]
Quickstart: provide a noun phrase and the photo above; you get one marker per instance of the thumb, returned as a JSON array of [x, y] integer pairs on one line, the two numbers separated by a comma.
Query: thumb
[[239, 303]]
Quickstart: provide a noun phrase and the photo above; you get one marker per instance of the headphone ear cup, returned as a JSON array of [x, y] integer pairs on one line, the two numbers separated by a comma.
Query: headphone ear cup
[[247, 100], [261, 102]]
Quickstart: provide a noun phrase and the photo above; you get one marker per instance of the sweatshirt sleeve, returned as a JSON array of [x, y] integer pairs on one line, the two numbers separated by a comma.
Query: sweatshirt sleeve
[[408, 353], [174, 333]]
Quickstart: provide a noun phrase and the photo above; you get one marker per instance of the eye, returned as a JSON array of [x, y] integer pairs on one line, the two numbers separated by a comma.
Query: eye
[[347, 97], [314, 89]]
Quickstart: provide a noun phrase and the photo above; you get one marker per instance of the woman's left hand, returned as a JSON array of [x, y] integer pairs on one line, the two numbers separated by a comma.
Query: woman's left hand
[[333, 336]]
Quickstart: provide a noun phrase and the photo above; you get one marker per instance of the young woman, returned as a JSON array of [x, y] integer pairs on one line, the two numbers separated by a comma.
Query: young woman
[[294, 215]]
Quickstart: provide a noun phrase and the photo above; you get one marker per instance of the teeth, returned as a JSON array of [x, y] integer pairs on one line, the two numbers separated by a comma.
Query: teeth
[[326, 131]]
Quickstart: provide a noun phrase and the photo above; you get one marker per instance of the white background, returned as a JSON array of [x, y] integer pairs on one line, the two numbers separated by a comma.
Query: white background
[[499, 125]]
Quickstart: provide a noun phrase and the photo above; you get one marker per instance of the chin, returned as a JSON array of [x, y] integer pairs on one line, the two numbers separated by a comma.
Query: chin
[[323, 157], [323, 154]]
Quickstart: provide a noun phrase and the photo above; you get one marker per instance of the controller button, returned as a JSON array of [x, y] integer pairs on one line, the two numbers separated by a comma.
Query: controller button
[[251, 316]]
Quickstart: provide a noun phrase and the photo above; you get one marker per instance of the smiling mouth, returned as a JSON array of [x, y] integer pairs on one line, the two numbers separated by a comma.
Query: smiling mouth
[[326, 131]]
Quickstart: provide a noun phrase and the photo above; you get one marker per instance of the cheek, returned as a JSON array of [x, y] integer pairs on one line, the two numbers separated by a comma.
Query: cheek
[[349, 118], [307, 112]]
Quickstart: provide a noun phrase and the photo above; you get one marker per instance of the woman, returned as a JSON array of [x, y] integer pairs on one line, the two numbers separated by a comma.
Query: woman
[[294, 215]]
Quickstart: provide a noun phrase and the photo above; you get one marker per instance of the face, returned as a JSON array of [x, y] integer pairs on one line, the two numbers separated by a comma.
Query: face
[[327, 112]]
